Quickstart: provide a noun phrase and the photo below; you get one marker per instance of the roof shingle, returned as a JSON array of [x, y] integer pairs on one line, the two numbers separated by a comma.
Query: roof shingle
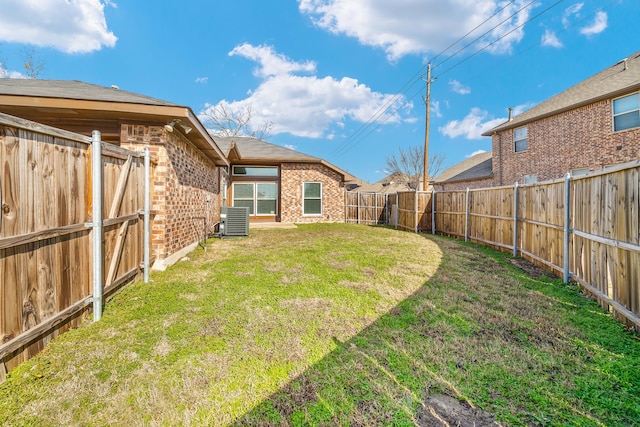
[[619, 79], [74, 89]]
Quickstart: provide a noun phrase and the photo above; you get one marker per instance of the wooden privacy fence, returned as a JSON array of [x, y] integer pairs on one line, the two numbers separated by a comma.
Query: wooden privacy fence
[[584, 228], [70, 205], [403, 210]]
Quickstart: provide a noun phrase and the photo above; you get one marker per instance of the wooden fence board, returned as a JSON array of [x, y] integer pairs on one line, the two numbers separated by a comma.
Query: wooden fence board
[[45, 233], [604, 228]]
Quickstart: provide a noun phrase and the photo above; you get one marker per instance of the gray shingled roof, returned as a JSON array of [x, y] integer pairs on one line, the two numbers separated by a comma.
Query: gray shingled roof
[[476, 167], [63, 89], [619, 79], [256, 149]]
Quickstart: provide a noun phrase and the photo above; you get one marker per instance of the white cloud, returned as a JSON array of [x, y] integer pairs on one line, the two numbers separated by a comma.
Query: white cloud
[[270, 62], [459, 88], [472, 126], [477, 122], [70, 26], [475, 153], [8, 74], [307, 105], [419, 26], [202, 79], [549, 38], [598, 25], [290, 146], [435, 108], [570, 12]]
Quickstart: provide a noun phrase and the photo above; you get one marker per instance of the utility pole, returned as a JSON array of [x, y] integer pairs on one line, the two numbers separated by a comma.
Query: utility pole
[[425, 174]]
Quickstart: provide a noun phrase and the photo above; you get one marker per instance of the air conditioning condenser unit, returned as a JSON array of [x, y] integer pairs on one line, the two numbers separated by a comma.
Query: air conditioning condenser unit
[[234, 221]]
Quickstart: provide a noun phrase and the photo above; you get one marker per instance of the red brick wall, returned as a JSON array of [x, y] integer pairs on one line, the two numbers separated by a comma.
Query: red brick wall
[[580, 138], [183, 179], [292, 175]]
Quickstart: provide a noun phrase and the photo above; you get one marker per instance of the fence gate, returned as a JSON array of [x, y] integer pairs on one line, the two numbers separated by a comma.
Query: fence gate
[[49, 247], [367, 208]]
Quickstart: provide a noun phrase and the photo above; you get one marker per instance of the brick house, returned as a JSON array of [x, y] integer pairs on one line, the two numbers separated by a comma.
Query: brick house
[[474, 172], [186, 190], [590, 126], [282, 185]]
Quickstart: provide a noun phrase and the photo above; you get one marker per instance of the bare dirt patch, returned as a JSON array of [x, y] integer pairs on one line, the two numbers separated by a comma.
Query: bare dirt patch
[[443, 410], [530, 268]]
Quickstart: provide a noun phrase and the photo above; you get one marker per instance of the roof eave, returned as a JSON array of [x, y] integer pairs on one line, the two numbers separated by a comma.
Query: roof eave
[[517, 123], [452, 181]]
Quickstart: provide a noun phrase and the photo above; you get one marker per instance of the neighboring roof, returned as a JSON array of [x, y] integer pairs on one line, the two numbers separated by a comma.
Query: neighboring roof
[[477, 167], [619, 79], [394, 183], [74, 89], [81, 107], [255, 151], [252, 149]]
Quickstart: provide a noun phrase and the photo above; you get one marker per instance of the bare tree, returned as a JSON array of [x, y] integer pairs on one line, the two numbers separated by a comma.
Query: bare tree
[[31, 62], [33, 65], [408, 165], [227, 122], [4, 72]]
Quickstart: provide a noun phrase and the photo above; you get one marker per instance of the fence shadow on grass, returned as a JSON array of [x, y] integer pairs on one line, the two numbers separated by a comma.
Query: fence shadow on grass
[[477, 336]]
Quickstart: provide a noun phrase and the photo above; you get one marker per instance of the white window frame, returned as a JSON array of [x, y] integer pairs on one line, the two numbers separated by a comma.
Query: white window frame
[[305, 198], [254, 210], [614, 115], [515, 141]]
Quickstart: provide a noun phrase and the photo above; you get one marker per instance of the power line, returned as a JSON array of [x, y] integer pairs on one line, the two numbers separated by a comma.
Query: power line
[[352, 142], [487, 32], [499, 38], [359, 134], [471, 31]]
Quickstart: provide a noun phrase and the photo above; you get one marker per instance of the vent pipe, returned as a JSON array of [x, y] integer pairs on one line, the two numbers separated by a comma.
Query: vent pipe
[[510, 114]]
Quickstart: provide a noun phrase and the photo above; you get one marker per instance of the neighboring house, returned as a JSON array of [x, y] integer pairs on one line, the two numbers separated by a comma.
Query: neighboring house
[[394, 183], [474, 172], [590, 126], [186, 187], [282, 185]]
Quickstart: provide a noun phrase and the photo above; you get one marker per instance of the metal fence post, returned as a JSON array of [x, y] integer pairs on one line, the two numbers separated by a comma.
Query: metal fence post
[[147, 213], [359, 202], [386, 209], [96, 176], [515, 219], [416, 210], [567, 228], [466, 217], [397, 208], [433, 211]]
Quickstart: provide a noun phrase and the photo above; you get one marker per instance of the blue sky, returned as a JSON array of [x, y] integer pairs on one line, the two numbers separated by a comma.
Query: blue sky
[[338, 79]]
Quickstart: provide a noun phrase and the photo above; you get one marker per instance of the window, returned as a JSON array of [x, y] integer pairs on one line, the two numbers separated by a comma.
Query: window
[[243, 196], [266, 199], [529, 179], [580, 171], [255, 170], [521, 139], [260, 198], [312, 198], [626, 112]]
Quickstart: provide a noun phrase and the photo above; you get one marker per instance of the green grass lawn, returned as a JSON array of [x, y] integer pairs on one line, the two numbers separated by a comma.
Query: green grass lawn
[[336, 325]]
